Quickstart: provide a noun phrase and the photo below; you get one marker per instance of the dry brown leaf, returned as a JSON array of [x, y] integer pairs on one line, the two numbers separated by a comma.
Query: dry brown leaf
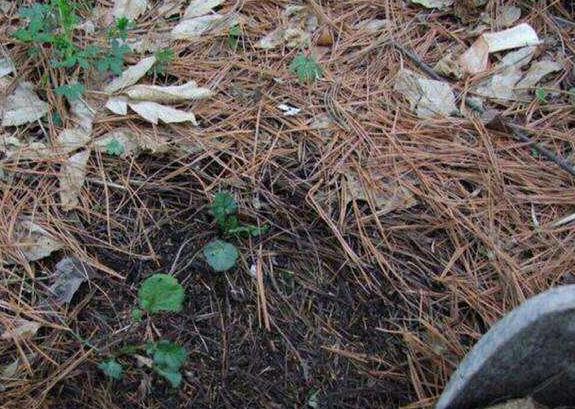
[[72, 177], [168, 94], [70, 274], [199, 8], [118, 105], [387, 196], [154, 112], [131, 9], [476, 58], [22, 106], [193, 28], [132, 143], [537, 72], [21, 329], [427, 98], [33, 241], [131, 75]]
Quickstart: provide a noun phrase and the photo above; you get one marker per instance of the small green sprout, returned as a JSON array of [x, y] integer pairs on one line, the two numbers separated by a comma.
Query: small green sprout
[[306, 68], [164, 58], [72, 92], [168, 358], [541, 95], [115, 148], [112, 369]]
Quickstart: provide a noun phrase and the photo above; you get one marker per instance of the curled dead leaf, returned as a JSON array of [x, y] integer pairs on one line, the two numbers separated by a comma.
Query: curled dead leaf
[[154, 112], [131, 75], [168, 94], [72, 177]]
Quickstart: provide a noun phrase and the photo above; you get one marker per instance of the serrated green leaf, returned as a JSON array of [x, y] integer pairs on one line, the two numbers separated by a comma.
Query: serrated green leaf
[[136, 315], [221, 255], [174, 377], [115, 148], [541, 95], [306, 68], [167, 355], [112, 369], [161, 292], [223, 205], [72, 91]]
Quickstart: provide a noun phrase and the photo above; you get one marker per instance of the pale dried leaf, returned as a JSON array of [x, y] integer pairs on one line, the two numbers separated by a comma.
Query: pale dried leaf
[[9, 371], [6, 66], [537, 72], [131, 75], [500, 86], [292, 37], [118, 105], [201, 7], [33, 241], [69, 275], [168, 94], [322, 121], [21, 329], [372, 26], [289, 110], [476, 58], [148, 42], [386, 195], [132, 143], [517, 59], [448, 66], [6, 5], [72, 177], [154, 112], [22, 106], [438, 4], [131, 9], [427, 97], [508, 16], [169, 8], [193, 28]]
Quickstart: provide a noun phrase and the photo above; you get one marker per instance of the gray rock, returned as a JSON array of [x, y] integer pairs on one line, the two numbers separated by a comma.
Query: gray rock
[[530, 352]]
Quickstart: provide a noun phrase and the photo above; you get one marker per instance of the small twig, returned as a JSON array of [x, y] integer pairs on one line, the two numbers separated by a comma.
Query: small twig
[[502, 123]]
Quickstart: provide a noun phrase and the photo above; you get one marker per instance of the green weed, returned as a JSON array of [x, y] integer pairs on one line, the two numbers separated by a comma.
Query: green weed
[[306, 68]]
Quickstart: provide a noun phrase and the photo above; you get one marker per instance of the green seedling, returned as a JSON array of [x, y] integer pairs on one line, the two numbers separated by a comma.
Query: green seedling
[[161, 293], [224, 208], [163, 60], [541, 95], [72, 92], [168, 358], [306, 68], [115, 148], [112, 369], [234, 34], [221, 255]]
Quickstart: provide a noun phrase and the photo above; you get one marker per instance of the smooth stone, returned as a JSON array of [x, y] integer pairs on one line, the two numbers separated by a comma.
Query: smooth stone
[[529, 353]]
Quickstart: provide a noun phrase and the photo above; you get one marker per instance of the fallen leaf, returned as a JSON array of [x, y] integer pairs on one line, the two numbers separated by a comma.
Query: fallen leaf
[[537, 72], [476, 58], [448, 66], [132, 143], [6, 67], [168, 94], [131, 9], [5, 6], [372, 26], [34, 241], [21, 106], [201, 7], [169, 8], [118, 105], [21, 329], [75, 138], [70, 273], [322, 121], [148, 42], [131, 75], [9, 371], [292, 37], [72, 177], [387, 196], [427, 97], [154, 112], [438, 4], [517, 58], [507, 16], [193, 28], [500, 86]]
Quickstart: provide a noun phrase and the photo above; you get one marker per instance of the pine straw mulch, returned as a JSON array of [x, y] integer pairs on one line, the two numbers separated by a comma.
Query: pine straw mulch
[[368, 307]]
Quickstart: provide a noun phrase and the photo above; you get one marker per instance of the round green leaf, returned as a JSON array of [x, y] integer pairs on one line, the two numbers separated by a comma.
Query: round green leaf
[[220, 255], [161, 292], [167, 354]]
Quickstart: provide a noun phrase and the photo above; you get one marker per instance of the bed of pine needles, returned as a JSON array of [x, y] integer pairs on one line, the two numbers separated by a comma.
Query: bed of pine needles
[[358, 306]]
